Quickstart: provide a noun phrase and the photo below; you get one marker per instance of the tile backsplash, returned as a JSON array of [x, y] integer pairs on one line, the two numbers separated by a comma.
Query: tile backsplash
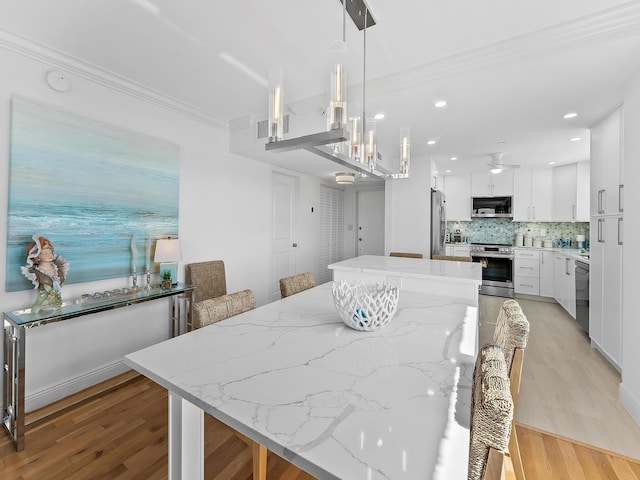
[[504, 230]]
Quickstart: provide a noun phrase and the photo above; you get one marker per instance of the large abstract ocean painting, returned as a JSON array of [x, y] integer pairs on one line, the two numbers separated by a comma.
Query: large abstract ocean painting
[[89, 188]]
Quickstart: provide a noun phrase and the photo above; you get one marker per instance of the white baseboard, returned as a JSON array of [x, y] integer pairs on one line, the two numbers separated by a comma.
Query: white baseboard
[[631, 404], [53, 393]]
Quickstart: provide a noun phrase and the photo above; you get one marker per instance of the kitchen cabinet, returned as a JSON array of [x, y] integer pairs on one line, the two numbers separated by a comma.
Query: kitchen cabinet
[[487, 184], [457, 193], [457, 250], [571, 193], [526, 275], [532, 195], [564, 282], [546, 273], [607, 220], [605, 300], [606, 166]]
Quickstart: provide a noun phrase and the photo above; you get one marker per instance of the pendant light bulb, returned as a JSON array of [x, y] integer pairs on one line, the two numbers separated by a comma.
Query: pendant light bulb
[[276, 102], [370, 148], [355, 131], [337, 104], [405, 149]]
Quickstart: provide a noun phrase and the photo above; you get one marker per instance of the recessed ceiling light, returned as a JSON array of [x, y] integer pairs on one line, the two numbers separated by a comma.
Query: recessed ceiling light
[[570, 115], [379, 116], [431, 142], [575, 139], [440, 104], [552, 163], [447, 171], [454, 158]]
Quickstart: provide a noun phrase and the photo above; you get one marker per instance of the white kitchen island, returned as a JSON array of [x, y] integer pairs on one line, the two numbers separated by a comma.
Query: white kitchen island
[[459, 280], [338, 403]]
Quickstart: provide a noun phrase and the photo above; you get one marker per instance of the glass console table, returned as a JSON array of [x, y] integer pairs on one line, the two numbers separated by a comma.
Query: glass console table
[[17, 322]]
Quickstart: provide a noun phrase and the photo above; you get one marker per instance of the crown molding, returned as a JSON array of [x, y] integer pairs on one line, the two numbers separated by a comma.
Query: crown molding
[[72, 65], [611, 24]]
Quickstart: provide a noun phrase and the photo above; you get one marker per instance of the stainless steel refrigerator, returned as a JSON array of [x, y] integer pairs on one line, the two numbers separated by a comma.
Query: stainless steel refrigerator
[[438, 222]]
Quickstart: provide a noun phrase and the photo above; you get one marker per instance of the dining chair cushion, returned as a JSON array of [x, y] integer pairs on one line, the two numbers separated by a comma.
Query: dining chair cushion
[[208, 278], [512, 330], [213, 310], [491, 409], [296, 284]]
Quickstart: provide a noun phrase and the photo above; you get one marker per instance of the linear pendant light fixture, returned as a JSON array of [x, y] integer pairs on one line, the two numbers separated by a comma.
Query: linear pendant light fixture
[[355, 149]]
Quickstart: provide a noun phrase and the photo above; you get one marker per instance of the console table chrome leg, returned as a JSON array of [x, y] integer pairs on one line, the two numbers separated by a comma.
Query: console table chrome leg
[[173, 317], [13, 374], [179, 311]]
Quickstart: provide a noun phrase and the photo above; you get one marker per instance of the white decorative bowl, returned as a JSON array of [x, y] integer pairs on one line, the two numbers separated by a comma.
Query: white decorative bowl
[[365, 306]]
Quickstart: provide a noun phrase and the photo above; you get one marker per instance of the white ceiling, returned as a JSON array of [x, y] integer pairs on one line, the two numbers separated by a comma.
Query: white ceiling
[[508, 69]]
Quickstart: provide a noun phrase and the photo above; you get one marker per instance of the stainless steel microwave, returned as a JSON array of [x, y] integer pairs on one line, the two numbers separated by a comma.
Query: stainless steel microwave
[[491, 207]]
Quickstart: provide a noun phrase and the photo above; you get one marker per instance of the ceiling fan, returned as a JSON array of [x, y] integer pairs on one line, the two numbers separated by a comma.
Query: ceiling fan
[[496, 165]]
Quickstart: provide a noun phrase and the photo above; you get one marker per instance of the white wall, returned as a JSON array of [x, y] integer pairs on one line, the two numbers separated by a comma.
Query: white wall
[[224, 214], [408, 210], [630, 386]]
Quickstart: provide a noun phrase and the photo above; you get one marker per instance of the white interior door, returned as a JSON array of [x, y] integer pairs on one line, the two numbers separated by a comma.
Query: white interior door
[[370, 219], [284, 230]]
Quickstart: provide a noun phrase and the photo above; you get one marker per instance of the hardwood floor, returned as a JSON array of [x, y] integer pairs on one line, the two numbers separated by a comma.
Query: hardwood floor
[[547, 456], [122, 433]]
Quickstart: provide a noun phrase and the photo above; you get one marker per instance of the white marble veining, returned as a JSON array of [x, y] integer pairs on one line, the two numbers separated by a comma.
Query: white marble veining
[[389, 404]]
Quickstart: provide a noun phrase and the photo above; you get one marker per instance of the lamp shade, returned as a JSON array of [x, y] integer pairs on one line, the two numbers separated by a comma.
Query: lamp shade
[[167, 250]]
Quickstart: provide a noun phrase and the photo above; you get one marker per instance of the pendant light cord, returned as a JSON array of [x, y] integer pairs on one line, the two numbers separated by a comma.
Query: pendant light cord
[[363, 122]]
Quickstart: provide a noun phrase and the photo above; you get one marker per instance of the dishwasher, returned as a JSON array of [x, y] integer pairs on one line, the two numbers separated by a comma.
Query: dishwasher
[[582, 295]]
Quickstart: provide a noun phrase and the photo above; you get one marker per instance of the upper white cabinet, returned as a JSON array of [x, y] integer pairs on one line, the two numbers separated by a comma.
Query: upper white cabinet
[[487, 184], [571, 193], [457, 192], [606, 166], [532, 195]]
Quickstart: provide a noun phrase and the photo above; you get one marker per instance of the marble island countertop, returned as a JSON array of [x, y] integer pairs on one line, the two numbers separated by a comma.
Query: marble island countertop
[[463, 272], [339, 403]]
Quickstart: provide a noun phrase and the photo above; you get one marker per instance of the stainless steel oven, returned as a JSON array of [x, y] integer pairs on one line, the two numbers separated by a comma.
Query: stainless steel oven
[[497, 268]]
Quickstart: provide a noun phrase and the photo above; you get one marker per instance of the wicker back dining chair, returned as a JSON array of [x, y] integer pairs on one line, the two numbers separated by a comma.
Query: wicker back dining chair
[[296, 284], [209, 279], [512, 333], [491, 415]]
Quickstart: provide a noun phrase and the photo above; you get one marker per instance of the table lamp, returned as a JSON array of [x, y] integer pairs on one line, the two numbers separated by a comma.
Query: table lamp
[[167, 255]]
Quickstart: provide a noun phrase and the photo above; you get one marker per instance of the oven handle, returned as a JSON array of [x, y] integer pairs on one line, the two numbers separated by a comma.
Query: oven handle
[[478, 255]]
